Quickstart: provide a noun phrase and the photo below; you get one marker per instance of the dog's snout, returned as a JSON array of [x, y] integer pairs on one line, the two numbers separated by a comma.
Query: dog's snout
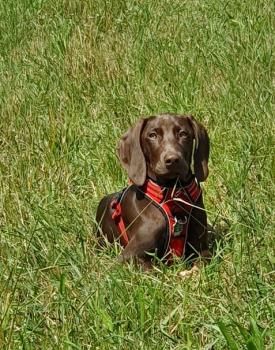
[[171, 160]]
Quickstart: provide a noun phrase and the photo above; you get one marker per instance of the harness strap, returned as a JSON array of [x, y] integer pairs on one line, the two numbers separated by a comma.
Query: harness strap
[[117, 217], [177, 240], [174, 208]]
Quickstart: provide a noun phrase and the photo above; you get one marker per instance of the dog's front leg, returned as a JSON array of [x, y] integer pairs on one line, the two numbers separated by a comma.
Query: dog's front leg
[[144, 240]]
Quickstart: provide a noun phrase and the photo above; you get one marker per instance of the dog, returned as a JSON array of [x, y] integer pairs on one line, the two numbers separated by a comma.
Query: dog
[[162, 210]]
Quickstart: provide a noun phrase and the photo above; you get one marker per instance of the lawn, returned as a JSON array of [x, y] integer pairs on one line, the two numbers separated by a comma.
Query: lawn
[[74, 75]]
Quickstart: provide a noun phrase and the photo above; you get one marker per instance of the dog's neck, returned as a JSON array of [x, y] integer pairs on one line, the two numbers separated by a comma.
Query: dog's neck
[[172, 182]]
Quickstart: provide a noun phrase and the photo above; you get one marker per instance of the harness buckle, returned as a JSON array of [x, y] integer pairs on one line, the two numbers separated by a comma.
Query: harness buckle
[[179, 225]]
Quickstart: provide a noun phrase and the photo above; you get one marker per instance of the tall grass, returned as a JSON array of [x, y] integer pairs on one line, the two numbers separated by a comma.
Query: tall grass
[[74, 75]]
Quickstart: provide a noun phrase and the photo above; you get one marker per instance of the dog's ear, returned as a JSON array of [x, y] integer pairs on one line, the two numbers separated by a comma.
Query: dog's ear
[[201, 152], [131, 155]]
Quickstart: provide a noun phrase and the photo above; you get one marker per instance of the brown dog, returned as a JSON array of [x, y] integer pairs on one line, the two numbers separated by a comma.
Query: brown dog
[[158, 148]]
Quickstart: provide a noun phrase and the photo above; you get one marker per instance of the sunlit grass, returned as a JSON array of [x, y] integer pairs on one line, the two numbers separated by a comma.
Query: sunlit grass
[[74, 76]]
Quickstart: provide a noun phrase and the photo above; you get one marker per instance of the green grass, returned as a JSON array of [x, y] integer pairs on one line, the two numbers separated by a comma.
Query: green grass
[[73, 76]]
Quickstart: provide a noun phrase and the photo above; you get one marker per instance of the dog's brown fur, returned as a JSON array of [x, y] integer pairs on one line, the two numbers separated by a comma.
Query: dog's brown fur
[[160, 147]]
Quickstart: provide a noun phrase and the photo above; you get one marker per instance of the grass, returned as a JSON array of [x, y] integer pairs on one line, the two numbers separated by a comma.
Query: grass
[[74, 75]]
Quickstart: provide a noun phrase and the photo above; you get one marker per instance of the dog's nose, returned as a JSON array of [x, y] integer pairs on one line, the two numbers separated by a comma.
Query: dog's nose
[[171, 160]]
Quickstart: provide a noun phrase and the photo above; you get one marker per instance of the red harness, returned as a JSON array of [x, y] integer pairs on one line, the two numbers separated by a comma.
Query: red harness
[[176, 204]]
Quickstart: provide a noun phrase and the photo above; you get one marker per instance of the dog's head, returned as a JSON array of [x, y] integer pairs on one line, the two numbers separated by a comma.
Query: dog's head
[[162, 147]]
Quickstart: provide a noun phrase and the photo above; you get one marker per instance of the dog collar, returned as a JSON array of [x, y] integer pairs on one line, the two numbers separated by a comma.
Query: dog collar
[[160, 194]]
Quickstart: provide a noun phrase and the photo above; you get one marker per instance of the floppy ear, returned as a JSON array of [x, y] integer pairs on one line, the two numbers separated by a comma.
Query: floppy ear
[[201, 153], [131, 155]]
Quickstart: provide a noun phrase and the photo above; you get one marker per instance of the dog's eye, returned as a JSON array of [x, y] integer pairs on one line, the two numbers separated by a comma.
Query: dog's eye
[[183, 133], [153, 135]]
